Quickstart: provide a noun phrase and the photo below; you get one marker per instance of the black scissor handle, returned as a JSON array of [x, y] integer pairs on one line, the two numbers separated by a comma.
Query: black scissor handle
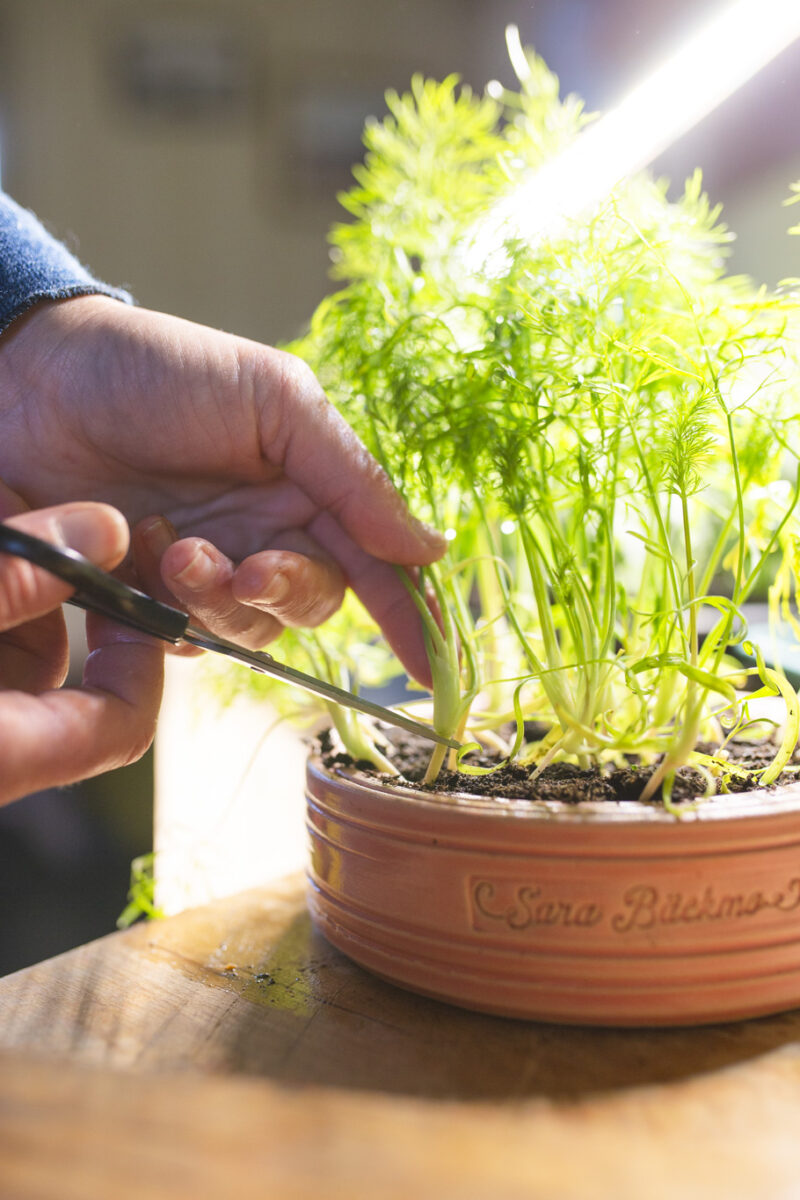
[[95, 589]]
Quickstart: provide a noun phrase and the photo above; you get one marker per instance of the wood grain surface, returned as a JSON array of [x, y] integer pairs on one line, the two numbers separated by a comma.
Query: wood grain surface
[[230, 1051]]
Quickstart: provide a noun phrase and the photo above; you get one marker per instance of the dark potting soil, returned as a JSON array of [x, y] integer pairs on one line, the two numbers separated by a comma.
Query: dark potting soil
[[560, 781]]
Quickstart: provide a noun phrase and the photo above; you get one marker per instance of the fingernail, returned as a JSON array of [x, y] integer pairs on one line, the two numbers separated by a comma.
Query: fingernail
[[199, 572], [277, 590], [158, 536], [92, 534]]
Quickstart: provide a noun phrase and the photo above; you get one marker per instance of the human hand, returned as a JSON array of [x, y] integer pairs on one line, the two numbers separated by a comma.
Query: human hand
[[271, 503], [52, 735]]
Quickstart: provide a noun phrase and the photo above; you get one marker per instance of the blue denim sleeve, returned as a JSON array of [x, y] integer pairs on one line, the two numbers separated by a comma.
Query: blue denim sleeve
[[35, 266]]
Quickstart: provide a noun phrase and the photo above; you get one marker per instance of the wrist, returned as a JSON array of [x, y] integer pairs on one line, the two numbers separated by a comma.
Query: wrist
[[36, 334], [50, 316]]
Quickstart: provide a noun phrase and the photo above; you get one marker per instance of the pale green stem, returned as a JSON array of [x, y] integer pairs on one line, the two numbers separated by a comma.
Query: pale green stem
[[690, 580], [741, 596]]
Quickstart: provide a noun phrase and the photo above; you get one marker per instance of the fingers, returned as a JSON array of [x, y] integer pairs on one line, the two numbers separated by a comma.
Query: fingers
[[75, 733], [60, 736], [200, 577], [299, 589], [302, 433], [34, 651], [95, 530], [250, 604], [34, 657], [196, 576]]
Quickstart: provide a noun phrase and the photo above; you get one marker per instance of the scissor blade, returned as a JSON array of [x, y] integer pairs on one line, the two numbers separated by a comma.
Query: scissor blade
[[100, 592], [257, 660]]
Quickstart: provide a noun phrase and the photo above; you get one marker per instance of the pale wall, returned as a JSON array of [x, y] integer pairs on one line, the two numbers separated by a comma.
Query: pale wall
[[202, 216]]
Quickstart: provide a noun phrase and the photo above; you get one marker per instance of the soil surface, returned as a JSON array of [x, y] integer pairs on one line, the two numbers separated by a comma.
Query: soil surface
[[560, 781]]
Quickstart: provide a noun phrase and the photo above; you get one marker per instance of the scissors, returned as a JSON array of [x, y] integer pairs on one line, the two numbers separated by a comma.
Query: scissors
[[97, 591]]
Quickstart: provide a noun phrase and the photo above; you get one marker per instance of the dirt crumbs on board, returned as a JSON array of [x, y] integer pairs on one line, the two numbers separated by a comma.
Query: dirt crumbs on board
[[560, 781]]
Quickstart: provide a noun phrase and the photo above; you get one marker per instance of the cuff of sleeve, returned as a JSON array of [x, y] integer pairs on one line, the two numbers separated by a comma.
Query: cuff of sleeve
[[34, 266], [62, 293]]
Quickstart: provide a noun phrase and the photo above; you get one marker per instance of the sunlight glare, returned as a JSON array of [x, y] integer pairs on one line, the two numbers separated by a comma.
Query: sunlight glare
[[721, 56]]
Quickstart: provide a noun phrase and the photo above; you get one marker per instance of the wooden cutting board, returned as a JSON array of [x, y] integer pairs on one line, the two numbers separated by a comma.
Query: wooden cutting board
[[230, 1051]]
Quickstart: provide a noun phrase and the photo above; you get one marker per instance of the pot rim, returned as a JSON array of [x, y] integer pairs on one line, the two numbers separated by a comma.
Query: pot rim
[[760, 802]]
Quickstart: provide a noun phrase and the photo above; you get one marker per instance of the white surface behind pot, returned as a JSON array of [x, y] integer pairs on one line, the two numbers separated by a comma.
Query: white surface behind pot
[[229, 810]]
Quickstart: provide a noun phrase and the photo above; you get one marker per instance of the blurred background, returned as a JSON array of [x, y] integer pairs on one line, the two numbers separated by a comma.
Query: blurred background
[[191, 151]]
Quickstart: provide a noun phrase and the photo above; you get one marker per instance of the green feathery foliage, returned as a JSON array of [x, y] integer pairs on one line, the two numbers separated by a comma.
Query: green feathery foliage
[[604, 419]]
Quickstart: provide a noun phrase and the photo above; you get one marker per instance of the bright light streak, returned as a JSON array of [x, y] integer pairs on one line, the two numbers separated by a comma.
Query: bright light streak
[[721, 56]]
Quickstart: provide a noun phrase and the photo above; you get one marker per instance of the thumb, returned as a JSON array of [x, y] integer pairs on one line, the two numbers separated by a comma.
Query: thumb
[[97, 531]]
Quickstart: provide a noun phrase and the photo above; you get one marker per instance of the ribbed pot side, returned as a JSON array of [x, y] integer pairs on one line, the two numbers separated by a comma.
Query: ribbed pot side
[[606, 914]]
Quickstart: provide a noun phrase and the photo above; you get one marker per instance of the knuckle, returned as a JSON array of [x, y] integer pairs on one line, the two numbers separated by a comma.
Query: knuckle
[[248, 626], [312, 608], [297, 374], [259, 632], [18, 594], [284, 384]]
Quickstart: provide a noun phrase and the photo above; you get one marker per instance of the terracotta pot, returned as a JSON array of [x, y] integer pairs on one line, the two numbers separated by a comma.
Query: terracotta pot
[[582, 914]]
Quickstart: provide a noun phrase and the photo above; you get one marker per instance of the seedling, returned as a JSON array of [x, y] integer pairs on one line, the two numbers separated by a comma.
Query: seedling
[[603, 420]]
